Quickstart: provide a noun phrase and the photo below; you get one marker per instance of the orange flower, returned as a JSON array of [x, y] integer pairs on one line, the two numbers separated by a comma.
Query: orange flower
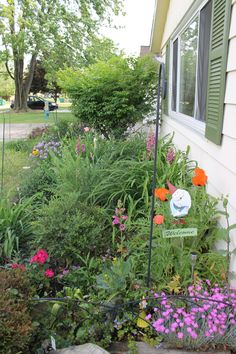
[[158, 219], [162, 193], [200, 178]]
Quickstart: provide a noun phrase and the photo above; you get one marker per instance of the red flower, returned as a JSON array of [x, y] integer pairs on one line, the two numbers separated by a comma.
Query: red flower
[[49, 273], [158, 219], [14, 265], [17, 266], [161, 193], [40, 257], [200, 178]]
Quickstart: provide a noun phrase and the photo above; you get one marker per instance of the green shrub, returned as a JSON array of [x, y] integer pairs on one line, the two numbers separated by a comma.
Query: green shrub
[[113, 95], [15, 318], [40, 179], [68, 229]]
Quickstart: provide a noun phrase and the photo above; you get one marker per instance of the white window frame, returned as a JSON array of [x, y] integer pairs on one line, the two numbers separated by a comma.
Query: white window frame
[[189, 121]]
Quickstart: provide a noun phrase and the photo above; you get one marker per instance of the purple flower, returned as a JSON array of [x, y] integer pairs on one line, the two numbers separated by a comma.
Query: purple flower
[[170, 156], [83, 148], [116, 220], [122, 227]]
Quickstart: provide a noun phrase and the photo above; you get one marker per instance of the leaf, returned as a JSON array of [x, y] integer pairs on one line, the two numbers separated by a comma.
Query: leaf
[[140, 321], [174, 284], [55, 309], [233, 226]]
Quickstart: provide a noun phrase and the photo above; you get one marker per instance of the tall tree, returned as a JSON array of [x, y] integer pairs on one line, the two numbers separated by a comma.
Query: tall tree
[[30, 27]]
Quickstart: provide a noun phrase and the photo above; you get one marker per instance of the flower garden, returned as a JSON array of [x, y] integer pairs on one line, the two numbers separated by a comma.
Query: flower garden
[[75, 247]]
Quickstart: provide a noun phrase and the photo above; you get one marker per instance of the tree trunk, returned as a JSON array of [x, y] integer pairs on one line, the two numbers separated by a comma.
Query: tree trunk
[[23, 84]]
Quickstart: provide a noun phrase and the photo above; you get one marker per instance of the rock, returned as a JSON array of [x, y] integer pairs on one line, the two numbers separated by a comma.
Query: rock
[[83, 349]]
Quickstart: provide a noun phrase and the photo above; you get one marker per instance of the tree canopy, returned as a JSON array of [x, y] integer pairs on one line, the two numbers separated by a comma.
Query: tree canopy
[[30, 28]]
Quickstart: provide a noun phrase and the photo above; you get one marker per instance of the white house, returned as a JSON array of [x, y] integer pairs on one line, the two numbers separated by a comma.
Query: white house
[[197, 41]]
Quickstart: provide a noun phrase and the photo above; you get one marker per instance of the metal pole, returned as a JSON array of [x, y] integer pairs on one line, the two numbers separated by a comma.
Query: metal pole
[[3, 151], [161, 79]]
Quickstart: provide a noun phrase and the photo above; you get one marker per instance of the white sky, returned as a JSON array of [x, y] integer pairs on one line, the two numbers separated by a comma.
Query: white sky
[[137, 25]]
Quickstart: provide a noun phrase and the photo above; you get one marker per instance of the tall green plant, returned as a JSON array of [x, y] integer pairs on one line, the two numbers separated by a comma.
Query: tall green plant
[[113, 95]]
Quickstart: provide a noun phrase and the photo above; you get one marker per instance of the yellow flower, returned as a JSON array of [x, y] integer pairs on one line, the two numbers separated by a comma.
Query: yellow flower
[[35, 152]]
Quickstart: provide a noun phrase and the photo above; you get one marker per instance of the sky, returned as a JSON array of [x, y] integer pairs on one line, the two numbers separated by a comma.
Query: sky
[[136, 26]]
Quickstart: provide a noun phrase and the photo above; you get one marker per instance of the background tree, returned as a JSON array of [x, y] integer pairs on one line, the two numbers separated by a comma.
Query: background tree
[[41, 84], [114, 95], [6, 83], [28, 27]]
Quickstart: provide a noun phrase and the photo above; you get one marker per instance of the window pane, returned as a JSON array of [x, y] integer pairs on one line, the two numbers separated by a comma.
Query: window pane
[[203, 57], [174, 75], [188, 59]]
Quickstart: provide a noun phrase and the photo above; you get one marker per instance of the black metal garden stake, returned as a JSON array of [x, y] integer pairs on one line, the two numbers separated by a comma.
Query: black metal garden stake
[[161, 91]]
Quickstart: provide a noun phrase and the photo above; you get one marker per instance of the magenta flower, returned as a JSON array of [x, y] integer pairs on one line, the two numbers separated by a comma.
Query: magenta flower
[[49, 273], [116, 220], [83, 148], [150, 143], [40, 257]]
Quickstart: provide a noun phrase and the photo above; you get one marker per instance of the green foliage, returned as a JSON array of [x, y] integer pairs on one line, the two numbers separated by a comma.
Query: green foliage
[[41, 180], [6, 83], [69, 229], [15, 319], [15, 228], [112, 96]]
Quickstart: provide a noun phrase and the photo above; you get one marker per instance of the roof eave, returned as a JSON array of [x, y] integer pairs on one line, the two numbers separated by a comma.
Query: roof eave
[[158, 25]]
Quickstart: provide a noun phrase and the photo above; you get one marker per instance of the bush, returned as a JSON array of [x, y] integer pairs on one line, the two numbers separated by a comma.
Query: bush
[[15, 319], [68, 229], [113, 95], [41, 179]]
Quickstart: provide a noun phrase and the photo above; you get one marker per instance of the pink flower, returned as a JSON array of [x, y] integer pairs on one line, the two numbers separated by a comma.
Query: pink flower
[[122, 227], [49, 273], [170, 156], [124, 217], [180, 335], [83, 148], [86, 129], [14, 265], [116, 220], [40, 257]]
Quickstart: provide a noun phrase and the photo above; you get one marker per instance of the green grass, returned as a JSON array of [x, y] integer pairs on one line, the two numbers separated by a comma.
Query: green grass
[[13, 170], [35, 117]]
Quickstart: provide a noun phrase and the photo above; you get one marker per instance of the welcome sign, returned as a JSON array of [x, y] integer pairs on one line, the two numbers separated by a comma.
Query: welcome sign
[[188, 232]]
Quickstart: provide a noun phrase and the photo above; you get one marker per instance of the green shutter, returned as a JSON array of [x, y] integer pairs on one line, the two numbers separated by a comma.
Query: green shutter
[[166, 103], [221, 11]]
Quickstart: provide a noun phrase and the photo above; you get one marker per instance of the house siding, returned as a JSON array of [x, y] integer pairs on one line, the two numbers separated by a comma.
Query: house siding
[[218, 161]]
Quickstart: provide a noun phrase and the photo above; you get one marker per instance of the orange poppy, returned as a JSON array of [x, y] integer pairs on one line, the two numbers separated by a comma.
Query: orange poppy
[[161, 193], [200, 178], [158, 219]]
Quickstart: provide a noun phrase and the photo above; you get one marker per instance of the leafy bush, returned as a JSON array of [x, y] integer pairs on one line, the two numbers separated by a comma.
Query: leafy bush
[[41, 179], [114, 95], [68, 229], [15, 319]]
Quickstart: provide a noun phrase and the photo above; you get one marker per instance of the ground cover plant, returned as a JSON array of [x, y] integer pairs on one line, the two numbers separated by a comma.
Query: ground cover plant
[[81, 223]]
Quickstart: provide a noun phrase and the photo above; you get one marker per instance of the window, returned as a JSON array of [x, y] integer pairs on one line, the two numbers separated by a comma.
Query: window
[[190, 55]]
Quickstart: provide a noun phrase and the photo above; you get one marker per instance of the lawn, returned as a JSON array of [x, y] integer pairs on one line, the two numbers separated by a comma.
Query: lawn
[[35, 117]]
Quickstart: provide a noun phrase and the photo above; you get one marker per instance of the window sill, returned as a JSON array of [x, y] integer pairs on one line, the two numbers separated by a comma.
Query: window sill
[[190, 122]]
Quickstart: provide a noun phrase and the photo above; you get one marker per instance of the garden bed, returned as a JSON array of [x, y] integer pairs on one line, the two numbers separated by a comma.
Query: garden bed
[[75, 247]]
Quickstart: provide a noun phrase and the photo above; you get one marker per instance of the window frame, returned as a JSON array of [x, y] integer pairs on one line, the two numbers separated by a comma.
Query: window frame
[[189, 121]]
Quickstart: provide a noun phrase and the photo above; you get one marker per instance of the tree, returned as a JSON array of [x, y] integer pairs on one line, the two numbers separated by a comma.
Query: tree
[[30, 27], [41, 84], [6, 83], [114, 95]]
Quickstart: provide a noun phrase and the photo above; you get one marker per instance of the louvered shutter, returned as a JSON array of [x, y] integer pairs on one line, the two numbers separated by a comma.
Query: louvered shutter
[[166, 101], [221, 11]]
